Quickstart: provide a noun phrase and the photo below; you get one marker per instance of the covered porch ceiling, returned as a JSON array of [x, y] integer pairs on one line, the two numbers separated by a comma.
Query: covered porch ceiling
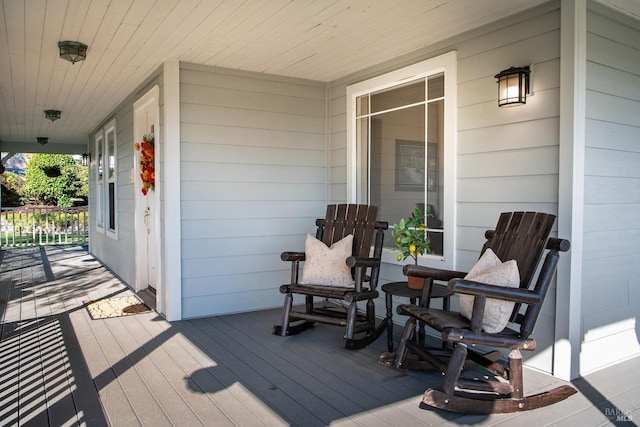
[[320, 40]]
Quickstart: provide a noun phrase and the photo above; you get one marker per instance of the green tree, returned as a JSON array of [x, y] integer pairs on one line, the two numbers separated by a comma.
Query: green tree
[[81, 185], [12, 190], [54, 190]]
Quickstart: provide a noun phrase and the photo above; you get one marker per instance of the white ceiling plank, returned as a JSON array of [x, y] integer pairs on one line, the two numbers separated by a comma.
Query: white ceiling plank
[[154, 32], [319, 40], [7, 115], [50, 78], [5, 66], [139, 10], [17, 58], [75, 15], [223, 22], [34, 27], [195, 28], [276, 36], [233, 38], [203, 26], [100, 57], [89, 34]]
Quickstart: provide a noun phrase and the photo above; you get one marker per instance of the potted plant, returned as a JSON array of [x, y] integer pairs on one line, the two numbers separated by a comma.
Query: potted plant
[[52, 171], [411, 239]]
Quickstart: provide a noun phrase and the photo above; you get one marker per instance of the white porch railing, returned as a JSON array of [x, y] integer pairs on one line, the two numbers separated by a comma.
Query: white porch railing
[[43, 225]]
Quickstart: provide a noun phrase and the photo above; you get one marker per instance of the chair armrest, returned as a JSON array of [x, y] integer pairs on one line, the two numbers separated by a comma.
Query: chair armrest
[[362, 262], [360, 296], [431, 273], [292, 256], [295, 258], [464, 286]]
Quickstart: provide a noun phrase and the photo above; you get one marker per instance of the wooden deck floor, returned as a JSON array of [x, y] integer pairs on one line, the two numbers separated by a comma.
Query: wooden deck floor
[[59, 367]]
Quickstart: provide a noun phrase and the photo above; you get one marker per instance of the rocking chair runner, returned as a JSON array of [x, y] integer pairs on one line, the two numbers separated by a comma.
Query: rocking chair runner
[[518, 236], [360, 328]]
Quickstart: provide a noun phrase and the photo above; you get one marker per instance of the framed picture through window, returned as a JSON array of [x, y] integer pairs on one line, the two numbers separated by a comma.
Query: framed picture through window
[[410, 166]]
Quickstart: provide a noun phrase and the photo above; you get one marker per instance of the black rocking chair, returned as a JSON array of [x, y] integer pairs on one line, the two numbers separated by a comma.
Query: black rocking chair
[[360, 327], [521, 236]]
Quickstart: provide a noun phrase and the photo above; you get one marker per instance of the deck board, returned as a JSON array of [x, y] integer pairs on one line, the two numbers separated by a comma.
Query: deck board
[[231, 368], [178, 359], [331, 382], [279, 372], [60, 367]]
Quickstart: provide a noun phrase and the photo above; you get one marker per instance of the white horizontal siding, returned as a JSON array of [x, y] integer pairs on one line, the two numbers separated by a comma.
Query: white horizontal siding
[[240, 246], [118, 253], [507, 158], [611, 271], [540, 161], [232, 302], [253, 182], [338, 143], [248, 226], [538, 133]]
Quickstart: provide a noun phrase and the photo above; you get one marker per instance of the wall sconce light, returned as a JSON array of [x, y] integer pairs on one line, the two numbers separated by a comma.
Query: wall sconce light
[[72, 51], [513, 86], [52, 115], [42, 140], [86, 159]]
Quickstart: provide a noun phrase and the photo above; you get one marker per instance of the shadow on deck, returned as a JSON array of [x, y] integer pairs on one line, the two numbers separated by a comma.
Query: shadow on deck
[[60, 367]]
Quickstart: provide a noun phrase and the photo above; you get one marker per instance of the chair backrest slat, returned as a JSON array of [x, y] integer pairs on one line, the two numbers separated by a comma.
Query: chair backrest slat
[[521, 236], [344, 219]]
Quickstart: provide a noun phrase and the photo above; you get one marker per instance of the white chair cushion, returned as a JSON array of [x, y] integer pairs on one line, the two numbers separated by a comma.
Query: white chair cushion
[[490, 270], [327, 266]]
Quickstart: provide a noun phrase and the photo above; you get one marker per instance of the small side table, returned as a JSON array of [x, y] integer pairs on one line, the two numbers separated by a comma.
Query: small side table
[[402, 289]]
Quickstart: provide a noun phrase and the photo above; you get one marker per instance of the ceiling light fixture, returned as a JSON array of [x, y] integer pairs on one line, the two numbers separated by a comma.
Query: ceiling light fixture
[[42, 140], [52, 115], [72, 51]]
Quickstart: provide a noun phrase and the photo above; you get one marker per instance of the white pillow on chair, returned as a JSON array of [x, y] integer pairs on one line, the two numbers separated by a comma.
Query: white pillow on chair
[[490, 270], [327, 266]]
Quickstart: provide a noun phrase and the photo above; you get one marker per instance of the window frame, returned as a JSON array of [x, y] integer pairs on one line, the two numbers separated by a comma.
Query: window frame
[[447, 64], [111, 201], [106, 206], [99, 171]]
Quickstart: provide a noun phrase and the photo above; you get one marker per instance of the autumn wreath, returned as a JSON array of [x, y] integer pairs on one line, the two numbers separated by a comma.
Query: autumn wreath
[[147, 173]]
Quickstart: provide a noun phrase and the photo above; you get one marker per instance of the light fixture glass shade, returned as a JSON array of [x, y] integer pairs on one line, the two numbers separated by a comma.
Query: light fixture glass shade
[[42, 140], [52, 115], [513, 86], [86, 159], [72, 51]]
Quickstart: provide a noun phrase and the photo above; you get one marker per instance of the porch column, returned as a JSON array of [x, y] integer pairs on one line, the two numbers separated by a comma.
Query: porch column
[[573, 41], [171, 236]]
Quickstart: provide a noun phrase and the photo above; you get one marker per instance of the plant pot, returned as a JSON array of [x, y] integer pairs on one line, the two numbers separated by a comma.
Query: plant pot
[[415, 282], [52, 172]]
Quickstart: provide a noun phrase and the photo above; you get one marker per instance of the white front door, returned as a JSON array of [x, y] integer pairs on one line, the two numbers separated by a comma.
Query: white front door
[[147, 252]]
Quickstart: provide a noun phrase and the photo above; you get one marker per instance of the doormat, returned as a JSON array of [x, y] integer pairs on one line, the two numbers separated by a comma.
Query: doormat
[[116, 307]]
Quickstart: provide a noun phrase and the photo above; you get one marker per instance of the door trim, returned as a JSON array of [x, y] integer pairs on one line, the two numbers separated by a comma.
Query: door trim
[[151, 98]]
